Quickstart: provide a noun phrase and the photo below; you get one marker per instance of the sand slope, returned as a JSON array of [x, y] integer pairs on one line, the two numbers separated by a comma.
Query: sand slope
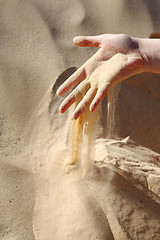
[[120, 199]]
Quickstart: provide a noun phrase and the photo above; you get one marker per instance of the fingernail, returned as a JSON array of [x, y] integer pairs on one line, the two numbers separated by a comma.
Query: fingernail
[[92, 107], [58, 93], [74, 117], [61, 109], [77, 114]]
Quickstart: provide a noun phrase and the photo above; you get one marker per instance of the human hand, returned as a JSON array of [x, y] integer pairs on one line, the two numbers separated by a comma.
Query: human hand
[[118, 58]]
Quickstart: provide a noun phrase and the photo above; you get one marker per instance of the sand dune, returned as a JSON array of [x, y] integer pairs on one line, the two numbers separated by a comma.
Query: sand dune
[[40, 197]]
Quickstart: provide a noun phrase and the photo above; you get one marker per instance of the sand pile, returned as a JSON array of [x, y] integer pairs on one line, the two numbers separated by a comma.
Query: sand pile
[[118, 197], [41, 198]]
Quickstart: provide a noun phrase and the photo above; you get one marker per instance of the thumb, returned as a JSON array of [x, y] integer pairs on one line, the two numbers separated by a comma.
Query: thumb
[[88, 41]]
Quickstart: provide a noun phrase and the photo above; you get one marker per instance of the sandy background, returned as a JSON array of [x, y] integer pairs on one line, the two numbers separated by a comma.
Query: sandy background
[[120, 199]]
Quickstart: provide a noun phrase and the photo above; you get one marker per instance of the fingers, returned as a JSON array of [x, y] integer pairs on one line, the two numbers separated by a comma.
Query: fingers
[[71, 98], [74, 79], [88, 41], [87, 97], [101, 93], [67, 103]]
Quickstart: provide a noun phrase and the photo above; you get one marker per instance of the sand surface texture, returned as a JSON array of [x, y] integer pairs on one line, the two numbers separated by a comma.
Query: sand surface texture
[[42, 196]]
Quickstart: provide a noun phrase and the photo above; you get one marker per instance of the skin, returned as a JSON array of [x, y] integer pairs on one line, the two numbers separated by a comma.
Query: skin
[[129, 55]]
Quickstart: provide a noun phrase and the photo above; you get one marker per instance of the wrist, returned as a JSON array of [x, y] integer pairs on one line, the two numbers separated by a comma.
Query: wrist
[[150, 52]]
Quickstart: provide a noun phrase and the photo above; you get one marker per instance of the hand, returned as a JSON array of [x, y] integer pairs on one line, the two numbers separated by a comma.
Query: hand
[[118, 58]]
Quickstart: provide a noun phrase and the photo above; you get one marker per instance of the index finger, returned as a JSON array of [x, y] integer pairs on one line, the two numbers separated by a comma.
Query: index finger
[[73, 80]]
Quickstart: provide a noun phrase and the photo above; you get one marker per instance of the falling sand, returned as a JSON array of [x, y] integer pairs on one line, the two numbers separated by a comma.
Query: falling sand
[[83, 139], [84, 129]]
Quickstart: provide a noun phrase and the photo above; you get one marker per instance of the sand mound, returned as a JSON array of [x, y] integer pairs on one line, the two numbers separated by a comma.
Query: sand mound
[[117, 199]]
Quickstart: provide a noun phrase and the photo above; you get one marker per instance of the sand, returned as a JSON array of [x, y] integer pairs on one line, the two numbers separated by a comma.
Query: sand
[[41, 198]]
